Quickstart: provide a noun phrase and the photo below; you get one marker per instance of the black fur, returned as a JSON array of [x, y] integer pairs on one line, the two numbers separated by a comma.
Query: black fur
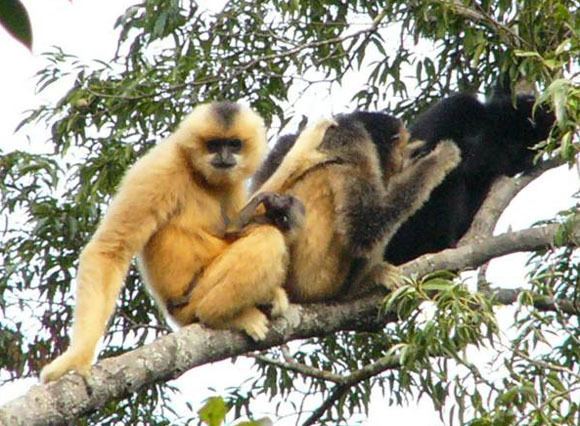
[[274, 159], [495, 139], [226, 111], [383, 129]]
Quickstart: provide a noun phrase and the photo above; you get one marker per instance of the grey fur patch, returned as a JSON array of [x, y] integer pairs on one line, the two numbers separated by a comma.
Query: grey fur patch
[[226, 112]]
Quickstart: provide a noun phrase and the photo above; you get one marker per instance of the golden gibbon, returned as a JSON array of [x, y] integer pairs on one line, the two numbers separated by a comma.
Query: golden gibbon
[[170, 210], [358, 187]]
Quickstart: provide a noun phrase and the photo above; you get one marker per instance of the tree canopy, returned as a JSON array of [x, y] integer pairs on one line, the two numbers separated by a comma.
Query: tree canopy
[[174, 54]]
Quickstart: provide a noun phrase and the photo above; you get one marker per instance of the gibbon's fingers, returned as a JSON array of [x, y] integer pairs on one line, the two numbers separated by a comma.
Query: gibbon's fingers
[[280, 302], [244, 275], [248, 212], [301, 157], [251, 321], [410, 189]]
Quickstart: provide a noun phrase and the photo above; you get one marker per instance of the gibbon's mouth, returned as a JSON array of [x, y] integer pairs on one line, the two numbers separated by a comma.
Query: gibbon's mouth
[[223, 165]]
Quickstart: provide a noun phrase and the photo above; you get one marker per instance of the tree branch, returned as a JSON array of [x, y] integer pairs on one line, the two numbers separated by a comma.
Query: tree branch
[[172, 355], [502, 192]]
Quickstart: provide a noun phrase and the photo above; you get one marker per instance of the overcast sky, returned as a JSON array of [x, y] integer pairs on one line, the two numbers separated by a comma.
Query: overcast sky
[[85, 28]]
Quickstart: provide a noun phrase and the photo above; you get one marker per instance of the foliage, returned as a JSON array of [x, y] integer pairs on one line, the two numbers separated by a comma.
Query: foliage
[[172, 54], [14, 18]]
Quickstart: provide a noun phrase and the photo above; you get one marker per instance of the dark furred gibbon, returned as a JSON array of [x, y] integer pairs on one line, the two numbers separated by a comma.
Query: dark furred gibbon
[[170, 211], [349, 174], [495, 139]]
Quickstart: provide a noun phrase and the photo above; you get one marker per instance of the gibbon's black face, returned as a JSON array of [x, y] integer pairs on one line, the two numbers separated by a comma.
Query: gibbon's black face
[[284, 211], [224, 153]]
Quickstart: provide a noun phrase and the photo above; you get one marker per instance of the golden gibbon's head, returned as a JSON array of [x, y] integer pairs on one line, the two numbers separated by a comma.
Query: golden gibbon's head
[[224, 141]]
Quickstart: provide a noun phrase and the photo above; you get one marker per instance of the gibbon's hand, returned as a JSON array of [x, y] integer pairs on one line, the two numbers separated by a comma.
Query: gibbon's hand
[[71, 360]]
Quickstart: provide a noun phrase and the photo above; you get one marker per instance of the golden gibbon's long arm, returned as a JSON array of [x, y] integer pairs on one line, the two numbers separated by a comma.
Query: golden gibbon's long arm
[[303, 156], [170, 210], [135, 213]]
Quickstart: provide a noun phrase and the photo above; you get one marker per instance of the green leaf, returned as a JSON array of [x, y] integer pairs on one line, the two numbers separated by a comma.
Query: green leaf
[[14, 17], [213, 413]]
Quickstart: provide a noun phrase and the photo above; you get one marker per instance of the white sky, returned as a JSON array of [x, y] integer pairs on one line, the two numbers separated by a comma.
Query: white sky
[[85, 28]]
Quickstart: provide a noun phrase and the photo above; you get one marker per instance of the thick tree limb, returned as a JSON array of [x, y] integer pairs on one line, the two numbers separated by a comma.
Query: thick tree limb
[[172, 355], [502, 192]]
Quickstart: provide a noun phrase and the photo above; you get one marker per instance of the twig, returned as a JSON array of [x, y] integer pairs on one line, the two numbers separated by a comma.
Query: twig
[[337, 393]]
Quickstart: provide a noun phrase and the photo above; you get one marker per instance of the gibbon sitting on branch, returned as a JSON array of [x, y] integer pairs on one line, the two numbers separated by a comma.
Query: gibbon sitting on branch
[[171, 210]]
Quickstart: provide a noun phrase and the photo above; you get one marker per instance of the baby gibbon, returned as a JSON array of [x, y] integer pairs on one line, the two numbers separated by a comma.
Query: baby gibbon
[[170, 210], [349, 174]]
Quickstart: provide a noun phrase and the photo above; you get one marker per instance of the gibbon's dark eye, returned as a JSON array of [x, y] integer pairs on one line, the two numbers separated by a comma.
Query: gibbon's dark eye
[[214, 145], [235, 145]]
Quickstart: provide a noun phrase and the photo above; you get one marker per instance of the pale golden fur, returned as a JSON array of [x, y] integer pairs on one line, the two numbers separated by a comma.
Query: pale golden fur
[[326, 177], [169, 209]]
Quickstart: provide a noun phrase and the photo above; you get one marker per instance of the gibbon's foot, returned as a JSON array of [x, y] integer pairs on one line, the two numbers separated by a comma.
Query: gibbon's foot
[[280, 303], [386, 275], [253, 322], [69, 361]]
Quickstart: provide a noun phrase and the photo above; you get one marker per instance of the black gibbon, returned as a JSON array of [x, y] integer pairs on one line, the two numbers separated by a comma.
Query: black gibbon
[[495, 139], [348, 173], [169, 210]]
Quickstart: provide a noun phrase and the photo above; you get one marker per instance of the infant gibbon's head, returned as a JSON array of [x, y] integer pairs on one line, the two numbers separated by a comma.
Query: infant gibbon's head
[[389, 137], [225, 141]]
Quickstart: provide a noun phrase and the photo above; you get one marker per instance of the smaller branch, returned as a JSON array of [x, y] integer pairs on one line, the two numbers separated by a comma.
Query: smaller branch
[[337, 393], [504, 296], [546, 365], [387, 362], [483, 17], [540, 408], [303, 369]]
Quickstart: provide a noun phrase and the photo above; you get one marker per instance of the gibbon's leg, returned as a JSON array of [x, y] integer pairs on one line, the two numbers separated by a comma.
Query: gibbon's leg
[[301, 157], [249, 273]]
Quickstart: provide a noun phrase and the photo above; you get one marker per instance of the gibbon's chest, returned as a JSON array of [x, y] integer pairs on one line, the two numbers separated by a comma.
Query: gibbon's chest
[[200, 213], [183, 246]]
